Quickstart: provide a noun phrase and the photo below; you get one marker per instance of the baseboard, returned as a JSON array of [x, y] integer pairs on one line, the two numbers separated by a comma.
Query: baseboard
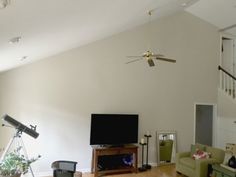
[[39, 174], [50, 173], [150, 163], [83, 170]]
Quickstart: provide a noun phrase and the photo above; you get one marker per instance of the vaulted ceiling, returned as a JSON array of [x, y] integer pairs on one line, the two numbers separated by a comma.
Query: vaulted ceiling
[[48, 27], [221, 13]]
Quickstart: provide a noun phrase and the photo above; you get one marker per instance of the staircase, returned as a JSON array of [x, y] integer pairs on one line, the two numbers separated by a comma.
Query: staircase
[[227, 82], [226, 99], [226, 105]]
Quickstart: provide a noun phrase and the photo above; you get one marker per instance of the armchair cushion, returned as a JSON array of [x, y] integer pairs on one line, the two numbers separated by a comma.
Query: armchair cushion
[[189, 162]]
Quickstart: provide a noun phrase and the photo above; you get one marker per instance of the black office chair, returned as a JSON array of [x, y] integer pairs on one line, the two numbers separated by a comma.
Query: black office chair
[[62, 168]]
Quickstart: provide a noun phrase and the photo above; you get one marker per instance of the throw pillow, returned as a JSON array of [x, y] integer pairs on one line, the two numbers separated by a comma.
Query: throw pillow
[[196, 147], [201, 155]]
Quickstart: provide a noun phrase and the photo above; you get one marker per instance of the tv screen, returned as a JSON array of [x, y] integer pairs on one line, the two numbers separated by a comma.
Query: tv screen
[[113, 129]]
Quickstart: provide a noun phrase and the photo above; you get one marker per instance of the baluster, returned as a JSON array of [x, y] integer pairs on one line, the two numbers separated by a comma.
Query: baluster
[[227, 87], [225, 78], [228, 84], [221, 79], [233, 88]]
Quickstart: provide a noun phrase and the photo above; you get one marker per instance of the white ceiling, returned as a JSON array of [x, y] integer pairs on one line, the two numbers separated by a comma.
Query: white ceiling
[[221, 13], [48, 27]]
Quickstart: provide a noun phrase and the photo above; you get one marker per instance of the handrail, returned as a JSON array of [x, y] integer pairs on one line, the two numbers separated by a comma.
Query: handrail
[[226, 72]]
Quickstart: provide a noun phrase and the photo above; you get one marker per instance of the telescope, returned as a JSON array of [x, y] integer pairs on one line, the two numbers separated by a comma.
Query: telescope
[[21, 127]]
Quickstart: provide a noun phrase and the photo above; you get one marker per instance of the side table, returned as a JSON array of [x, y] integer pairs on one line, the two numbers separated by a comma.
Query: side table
[[219, 171]]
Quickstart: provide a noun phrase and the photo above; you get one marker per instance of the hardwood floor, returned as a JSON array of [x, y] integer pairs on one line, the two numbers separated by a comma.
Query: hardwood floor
[[161, 171]]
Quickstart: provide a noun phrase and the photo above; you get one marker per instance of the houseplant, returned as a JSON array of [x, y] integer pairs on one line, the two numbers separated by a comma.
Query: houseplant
[[15, 163]]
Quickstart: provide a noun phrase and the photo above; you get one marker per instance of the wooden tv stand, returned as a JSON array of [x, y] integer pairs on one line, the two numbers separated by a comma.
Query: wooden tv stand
[[102, 151]]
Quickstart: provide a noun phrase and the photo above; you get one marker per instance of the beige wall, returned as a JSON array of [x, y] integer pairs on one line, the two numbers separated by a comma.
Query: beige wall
[[59, 94]]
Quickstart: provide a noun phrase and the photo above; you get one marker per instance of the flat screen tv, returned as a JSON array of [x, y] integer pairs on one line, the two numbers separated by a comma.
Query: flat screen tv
[[114, 129]]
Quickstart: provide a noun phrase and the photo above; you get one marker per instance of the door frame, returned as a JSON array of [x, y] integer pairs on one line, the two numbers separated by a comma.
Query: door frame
[[232, 37], [214, 122]]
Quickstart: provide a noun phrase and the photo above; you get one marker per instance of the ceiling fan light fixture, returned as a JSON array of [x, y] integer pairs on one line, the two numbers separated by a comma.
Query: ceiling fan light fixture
[[15, 40], [149, 55], [23, 58], [184, 4]]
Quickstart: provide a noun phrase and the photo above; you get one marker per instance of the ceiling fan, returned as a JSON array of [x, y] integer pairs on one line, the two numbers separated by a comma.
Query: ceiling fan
[[149, 55]]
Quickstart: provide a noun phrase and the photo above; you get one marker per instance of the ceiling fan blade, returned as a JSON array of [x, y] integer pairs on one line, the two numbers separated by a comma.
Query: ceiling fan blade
[[150, 62], [157, 55], [134, 60], [166, 59], [134, 56]]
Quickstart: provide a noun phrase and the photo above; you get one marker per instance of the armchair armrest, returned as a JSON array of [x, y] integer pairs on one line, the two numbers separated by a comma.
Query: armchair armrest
[[202, 166], [181, 154]]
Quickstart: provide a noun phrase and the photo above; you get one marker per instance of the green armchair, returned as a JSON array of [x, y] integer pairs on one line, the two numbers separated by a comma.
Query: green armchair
[[186, 165]]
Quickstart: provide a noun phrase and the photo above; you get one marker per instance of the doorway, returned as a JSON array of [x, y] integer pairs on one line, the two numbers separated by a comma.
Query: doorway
[[228, 59], [204, 124]]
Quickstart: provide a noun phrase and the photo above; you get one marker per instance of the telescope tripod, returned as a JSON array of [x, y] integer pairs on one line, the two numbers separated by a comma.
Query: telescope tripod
[[17, 139]]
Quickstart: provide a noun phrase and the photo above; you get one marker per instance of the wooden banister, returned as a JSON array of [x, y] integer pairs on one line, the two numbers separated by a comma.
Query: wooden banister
[[226, 72]]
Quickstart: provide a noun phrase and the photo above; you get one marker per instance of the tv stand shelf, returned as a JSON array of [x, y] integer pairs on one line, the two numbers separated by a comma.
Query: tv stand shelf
[[104, 151]]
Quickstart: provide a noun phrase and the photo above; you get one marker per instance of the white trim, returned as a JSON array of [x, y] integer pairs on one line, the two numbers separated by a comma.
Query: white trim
[[227, 35], [50, 173], [39, 174], [230, 36], [221, 36], [214, 122], [83, 170], [153, 164]]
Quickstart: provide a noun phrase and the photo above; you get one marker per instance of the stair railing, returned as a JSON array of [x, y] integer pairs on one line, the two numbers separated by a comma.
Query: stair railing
[[227, 82]]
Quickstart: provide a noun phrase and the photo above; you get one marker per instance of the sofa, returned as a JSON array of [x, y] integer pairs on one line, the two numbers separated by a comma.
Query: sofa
[[187, 165], [166, 147]]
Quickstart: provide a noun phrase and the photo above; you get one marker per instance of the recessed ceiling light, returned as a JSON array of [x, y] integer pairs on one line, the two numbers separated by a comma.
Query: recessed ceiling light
[[23, 58], [184, 4], [15, 40]]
